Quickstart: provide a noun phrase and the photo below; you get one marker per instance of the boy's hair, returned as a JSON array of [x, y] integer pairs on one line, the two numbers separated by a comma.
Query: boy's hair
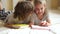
[[23, 10], [39, 1]]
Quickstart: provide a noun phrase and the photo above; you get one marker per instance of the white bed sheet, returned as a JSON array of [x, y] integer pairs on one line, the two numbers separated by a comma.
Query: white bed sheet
[[54, 29]]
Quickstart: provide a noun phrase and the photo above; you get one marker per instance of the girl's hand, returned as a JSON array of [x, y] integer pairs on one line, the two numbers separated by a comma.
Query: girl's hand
[[44, 24]]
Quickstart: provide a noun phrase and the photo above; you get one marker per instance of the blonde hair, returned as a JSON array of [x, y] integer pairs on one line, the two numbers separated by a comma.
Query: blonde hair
[[43, 1], [40, 1]]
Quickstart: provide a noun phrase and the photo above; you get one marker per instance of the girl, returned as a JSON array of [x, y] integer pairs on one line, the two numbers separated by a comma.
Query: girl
[[40, 16], [21, 15], [41, 12]]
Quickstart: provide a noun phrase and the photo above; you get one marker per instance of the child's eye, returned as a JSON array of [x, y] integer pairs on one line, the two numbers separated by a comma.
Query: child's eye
[[37, 9], [41, 8]]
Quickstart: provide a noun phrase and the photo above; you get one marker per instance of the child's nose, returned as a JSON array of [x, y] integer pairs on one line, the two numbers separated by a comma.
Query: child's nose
[[40, 11]]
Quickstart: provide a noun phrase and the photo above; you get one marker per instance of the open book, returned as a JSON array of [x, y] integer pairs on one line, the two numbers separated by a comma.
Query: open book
[[40, 27]]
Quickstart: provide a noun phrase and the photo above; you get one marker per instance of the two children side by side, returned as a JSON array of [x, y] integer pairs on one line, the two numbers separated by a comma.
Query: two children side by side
[[26, 13]]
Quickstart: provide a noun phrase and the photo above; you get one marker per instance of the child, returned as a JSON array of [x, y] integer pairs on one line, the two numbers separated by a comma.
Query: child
[[40, 16], [41, 12], [21, 15]]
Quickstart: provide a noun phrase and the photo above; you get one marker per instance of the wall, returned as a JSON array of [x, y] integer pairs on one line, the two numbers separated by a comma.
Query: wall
[[54, 4], [15, 2], [48, 3], [7, 4]]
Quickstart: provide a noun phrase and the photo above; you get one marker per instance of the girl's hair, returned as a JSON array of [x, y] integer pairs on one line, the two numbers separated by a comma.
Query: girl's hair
[[23, 10], [29, 0], [32, 1], [39, 1]]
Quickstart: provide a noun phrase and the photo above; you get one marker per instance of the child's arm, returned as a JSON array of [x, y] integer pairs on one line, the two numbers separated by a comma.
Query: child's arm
[[47, 23], [48, 20], [31, 20], [30, 24], [8, 22], [11, 26]]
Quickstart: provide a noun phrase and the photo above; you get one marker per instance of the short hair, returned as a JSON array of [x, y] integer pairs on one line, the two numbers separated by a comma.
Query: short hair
[[23, 9]]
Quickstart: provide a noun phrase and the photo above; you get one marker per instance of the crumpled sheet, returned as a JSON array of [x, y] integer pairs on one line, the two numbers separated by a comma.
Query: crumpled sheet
[[35, 30], [53, 29]]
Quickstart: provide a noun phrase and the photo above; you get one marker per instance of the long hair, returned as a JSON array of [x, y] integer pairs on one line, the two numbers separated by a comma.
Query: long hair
[[32, 1], [41, 2], [29, 0], [23, 10]]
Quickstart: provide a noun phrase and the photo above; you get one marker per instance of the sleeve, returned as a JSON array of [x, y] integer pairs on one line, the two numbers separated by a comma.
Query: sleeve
[[47, 18], [47, 15], [31, 19], [7, 18]]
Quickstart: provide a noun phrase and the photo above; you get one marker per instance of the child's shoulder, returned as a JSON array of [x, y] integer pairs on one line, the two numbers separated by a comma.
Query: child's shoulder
[[34, 16], [10, 16]]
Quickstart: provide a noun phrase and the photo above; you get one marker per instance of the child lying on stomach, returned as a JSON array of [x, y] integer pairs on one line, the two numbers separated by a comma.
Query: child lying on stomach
[[21, 15]]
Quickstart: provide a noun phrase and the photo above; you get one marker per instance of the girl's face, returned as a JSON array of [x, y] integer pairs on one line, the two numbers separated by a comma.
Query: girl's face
[[39, 9]]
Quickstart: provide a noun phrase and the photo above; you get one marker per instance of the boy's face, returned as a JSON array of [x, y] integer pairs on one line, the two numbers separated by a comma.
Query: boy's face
[[39, 9]]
